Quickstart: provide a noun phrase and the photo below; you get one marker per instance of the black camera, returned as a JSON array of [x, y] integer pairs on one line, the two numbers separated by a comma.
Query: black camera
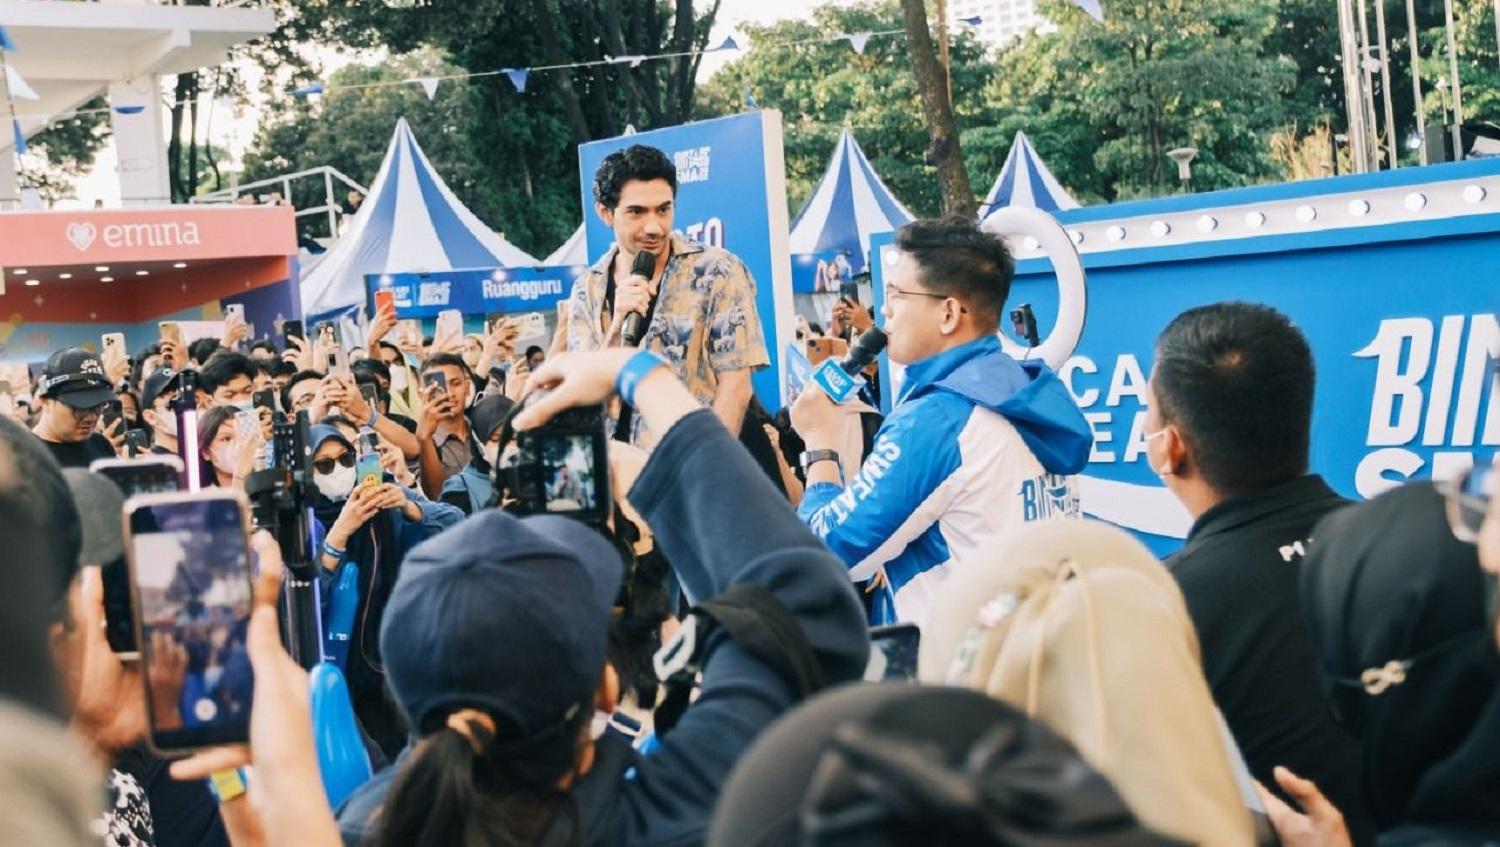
[[560, 468]]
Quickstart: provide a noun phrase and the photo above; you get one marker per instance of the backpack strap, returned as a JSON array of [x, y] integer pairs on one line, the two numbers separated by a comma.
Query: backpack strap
[[760, 624]]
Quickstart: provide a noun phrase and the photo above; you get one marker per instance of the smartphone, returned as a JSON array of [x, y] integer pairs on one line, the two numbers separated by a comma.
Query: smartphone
[[328, 333], [371, 393], [450, 322], [385, 298], [437, 378], [264, 399], [136, 442], [114, 410], [236, 310], [246, 424], [849, 290], [819, 349], [893, 653], [292, 329], [134, 477], [170, 331], [191, 582], [338, 361], [114, 341]]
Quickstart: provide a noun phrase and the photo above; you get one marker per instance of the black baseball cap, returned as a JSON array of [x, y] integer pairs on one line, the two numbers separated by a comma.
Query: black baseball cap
[[158, 383], [504, 614], [76, 377]]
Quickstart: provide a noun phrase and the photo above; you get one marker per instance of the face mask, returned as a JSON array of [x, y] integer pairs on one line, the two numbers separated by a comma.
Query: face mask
[[335, 485], [491, 452], [223, 459], [242, 406], [166, 422], [1149, 438], [398, 378]]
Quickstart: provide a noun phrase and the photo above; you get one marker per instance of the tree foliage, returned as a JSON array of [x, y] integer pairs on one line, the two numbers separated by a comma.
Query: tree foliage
[[65, 150]]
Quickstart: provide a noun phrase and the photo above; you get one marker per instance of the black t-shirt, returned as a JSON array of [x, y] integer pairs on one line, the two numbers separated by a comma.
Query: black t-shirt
[[1240, 576], [80, 454]]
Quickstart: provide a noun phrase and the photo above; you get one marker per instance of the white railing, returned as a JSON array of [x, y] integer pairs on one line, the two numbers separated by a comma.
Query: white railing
[[327, 174]]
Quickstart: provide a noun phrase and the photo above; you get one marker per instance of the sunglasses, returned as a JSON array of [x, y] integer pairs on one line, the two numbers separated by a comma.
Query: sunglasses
[[326, 466], [1467, 500]]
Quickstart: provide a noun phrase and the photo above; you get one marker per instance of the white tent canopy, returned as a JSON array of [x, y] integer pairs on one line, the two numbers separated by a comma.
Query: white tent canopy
[[409, 223]]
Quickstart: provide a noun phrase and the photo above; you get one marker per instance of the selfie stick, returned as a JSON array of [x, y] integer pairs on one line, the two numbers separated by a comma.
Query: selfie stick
[[185, 407]]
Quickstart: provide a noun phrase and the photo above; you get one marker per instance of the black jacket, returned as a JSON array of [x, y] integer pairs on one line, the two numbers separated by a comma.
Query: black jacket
[[1239, 574]]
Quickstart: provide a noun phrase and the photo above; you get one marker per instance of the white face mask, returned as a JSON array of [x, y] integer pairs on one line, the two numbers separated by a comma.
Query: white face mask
[[335, 485], [491, 452], [223, 459], [398, 377], [166, 422], [242, 406]]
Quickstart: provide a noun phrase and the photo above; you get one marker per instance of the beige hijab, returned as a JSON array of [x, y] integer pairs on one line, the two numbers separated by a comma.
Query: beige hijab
[[1078, 624]]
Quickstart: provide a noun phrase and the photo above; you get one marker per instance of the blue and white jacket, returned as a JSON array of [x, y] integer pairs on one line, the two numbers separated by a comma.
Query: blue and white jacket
[[977, 444]]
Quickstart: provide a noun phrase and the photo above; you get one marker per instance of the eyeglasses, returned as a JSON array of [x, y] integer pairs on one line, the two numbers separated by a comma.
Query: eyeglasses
[[94, 411], [1467, 500], [325, 466], [894, 293]]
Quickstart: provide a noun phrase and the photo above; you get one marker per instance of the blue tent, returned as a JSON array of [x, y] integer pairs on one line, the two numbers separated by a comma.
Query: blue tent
[[1025, 181], [409, 223], [849, 204]]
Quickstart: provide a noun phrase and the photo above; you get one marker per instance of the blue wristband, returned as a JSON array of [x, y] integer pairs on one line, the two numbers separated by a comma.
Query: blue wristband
[[636, 368], [330, 550]]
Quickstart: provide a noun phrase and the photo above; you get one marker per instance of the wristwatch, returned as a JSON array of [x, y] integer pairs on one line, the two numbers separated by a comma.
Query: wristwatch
[[812, 457]]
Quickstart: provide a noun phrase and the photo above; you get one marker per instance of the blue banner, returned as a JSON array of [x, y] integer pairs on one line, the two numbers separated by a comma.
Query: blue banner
[[731, 193], [475, 291]]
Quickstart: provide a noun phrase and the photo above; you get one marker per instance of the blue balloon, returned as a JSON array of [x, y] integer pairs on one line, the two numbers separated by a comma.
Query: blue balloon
[[342, 757]]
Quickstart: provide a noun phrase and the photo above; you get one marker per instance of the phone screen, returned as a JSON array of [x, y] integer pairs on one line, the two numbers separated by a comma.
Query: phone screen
[[190, 565], [568, 472], [437, 378], [894, 652]]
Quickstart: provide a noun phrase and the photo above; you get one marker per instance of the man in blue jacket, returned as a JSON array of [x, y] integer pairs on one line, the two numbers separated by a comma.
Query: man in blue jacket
[[976, 444]]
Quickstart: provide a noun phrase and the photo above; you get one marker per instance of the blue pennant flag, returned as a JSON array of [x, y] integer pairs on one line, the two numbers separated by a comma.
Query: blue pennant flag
[[974, 21], [15, 128], [1094, 8], [750, 104], [518, 78], [129, 110], [5, 42], [308, 90], [729, 44]]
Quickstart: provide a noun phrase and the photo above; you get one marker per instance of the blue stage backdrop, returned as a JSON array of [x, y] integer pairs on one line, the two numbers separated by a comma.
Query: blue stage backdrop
[[731, 193], [1392, 276]]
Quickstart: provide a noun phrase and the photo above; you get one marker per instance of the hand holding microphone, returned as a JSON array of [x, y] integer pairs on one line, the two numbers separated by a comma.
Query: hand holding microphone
[[633, 299]]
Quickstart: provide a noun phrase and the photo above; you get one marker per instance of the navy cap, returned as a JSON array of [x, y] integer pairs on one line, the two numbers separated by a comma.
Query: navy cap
[[319, 433], [76, 377], [158, 383], [504, 614]]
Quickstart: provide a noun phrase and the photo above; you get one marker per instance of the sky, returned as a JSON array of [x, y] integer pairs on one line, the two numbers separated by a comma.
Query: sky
[[233, 128]]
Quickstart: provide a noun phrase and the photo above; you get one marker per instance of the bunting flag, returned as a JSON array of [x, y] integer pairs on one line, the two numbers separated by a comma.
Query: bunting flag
[[1093, 8], [974, 21], [20, 137], [729, 44], [17, 86], [129, 110], [517, 78], [858, 40], [5, 42], [308, 90], [429, 85]]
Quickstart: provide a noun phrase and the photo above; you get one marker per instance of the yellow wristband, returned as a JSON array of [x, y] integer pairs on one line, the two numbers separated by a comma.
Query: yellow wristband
[[227, 785]]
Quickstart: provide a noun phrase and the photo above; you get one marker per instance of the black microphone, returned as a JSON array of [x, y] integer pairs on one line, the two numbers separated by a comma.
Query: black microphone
[[864, 351], [634, 327]]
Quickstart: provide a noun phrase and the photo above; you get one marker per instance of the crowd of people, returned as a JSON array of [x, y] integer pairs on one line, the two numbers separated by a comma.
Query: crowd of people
[[701, 667]]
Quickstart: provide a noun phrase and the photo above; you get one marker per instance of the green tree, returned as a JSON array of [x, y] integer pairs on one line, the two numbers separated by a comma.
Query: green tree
[[1155, 75], [820, 86], [66, 150]]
